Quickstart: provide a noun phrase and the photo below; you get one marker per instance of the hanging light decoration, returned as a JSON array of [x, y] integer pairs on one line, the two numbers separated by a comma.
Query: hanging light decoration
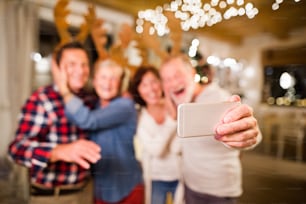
[[194, 14], [277, 3]]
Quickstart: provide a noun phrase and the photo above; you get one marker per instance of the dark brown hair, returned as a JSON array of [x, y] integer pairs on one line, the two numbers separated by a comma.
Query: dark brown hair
[[136, 80], [71, 45]]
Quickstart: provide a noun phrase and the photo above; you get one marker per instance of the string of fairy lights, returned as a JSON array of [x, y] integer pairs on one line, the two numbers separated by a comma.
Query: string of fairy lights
[[277, 3], [195, 14]]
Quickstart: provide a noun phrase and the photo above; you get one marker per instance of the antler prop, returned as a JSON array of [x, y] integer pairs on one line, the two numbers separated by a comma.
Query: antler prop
[[60, 14], [151, 41], [126, 36], [98, 34], [148, 41], [85, 28], [117, 50]]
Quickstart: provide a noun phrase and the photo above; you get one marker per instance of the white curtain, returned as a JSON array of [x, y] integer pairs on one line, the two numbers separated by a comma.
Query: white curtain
[[18, 39]]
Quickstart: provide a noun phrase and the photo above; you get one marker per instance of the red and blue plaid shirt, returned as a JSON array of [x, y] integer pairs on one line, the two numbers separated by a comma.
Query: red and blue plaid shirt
[[43, 125]]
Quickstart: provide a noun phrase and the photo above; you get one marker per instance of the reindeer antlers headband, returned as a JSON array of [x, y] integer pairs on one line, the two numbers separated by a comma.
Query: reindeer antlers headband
[[94, 26], [60, 14], [117, 50]]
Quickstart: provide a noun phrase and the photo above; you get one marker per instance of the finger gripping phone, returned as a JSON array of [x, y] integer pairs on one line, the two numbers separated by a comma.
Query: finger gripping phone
[[200, 119]]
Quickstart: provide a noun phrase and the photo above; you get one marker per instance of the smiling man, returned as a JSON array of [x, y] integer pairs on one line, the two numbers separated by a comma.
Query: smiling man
[[112, 125], [211, 165], [56, 152]]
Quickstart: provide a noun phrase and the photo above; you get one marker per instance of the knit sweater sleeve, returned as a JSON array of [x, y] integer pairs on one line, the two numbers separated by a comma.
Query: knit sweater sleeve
[[116, 113]]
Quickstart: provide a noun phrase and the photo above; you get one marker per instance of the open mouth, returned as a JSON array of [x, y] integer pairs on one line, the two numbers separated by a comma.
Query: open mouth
[[179, 91]]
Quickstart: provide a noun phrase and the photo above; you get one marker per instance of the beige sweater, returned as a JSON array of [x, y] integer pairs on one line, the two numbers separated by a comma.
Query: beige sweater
[[209, 166], [160, 150]]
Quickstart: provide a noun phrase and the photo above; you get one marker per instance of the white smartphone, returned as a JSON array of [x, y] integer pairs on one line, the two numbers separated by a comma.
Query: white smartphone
[[200, 119]]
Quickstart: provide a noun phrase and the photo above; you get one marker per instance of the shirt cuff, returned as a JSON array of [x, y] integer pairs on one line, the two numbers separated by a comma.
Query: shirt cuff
[[41, 156]]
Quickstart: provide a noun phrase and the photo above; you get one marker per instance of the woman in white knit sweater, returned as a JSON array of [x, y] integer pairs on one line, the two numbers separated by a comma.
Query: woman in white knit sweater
[[156, 134]]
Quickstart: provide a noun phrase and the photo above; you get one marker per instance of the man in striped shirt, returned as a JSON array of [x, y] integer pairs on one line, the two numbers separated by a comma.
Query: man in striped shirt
[[56, 152]]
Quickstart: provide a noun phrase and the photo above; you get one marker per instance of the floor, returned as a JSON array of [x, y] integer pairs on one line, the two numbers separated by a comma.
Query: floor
[[266, 181], [9, 191], [271, 181]]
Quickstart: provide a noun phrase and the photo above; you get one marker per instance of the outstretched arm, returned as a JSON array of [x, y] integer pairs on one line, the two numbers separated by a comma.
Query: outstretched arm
[[116, 113], [239, 127]]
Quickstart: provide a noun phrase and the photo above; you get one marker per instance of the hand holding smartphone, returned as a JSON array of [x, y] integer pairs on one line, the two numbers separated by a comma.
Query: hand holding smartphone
[[200, 119]]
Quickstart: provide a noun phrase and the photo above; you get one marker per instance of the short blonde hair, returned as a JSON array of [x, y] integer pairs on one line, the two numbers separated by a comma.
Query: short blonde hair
[[106, 64], [109, 63]]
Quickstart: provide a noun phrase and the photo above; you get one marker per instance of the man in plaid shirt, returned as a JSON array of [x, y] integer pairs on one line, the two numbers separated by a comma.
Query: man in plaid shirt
[[56, 151]]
